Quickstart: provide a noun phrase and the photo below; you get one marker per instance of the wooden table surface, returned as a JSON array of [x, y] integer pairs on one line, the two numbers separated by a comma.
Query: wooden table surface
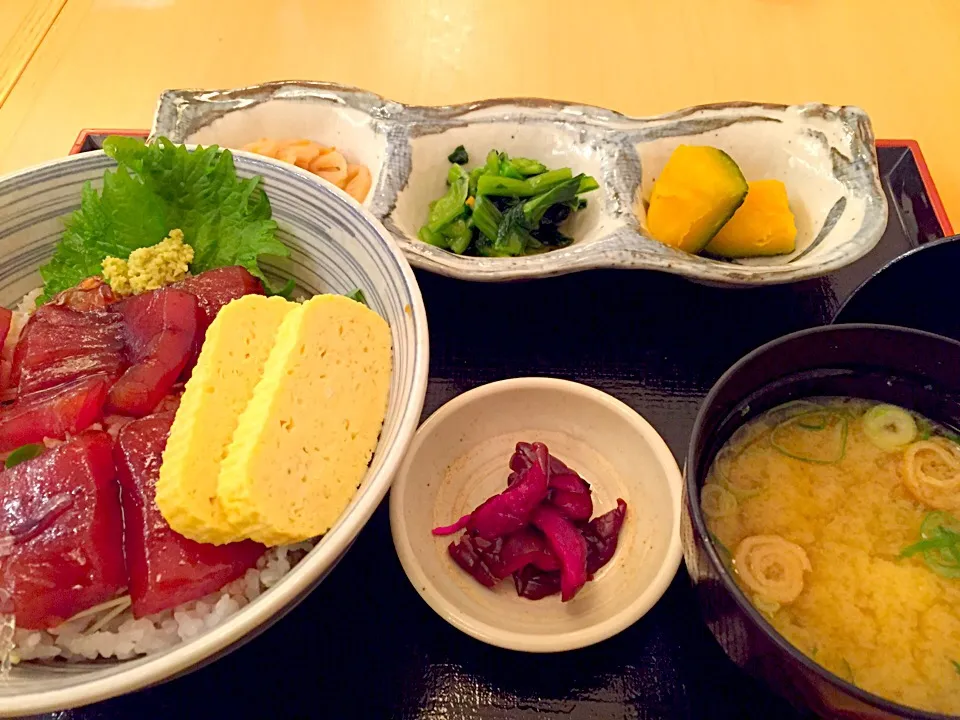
[[103, 62]]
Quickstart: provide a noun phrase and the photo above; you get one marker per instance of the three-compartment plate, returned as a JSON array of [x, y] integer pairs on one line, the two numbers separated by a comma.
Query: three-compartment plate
[[825, 155]]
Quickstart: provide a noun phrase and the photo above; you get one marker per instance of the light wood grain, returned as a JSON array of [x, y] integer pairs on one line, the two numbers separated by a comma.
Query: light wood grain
[[23, 25], [104, 61]]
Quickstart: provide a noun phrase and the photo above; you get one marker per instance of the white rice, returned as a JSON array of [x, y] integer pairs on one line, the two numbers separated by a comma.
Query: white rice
[[21, 314], [124, 637]]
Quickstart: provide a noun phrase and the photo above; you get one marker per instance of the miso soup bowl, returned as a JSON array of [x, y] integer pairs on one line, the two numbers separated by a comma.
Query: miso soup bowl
[[910, 368]]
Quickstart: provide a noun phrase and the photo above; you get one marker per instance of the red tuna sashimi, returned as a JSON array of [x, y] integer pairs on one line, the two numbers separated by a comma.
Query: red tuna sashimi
[[59, 345], [215, 288], [53, 413], [166, 569], [160, 329], [62, 511], [6, 317]]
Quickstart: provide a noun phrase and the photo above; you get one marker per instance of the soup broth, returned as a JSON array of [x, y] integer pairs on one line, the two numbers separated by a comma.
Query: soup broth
[[838, 518]]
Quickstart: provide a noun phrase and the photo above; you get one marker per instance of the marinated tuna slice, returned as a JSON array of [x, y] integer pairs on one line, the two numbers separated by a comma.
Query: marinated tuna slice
[[6, 317], [160, 328], [59, 345], [53, 413], [166, 569], [214, 289], [62, 512]]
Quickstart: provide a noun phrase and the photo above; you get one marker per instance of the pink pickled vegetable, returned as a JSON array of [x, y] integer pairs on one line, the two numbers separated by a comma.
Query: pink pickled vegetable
[[451, 529], [510, 510], [522, 548], [602, 534], [534, 584], [471, 557], [537, 530], [566, 542]]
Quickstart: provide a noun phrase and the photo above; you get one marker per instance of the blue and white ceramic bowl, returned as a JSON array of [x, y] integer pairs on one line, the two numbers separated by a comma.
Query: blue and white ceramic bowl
[[823, 154], [336, 247]]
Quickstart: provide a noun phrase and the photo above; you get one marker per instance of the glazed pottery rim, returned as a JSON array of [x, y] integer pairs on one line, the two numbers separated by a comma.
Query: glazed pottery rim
[[150, 670], [692, 489], [939, 242], [560, 641], [627, 247]]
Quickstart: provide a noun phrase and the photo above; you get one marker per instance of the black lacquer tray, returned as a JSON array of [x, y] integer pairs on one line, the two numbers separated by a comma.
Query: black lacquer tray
[[364, 645]]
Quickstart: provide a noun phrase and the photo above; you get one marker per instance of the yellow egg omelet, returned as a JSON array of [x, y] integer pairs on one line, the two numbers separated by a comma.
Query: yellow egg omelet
[[230, 365], [304, 440]]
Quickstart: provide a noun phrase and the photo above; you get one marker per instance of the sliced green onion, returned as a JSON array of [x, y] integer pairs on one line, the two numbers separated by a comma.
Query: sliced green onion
[[939, 543], [956, 666], [717, 502], [806, 421], [889, 427], [850, 676], [23, 453], [726, 557], [766, 605]]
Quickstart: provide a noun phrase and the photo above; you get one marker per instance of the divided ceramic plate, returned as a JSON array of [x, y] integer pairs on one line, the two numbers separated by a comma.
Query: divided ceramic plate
[[825, 155]]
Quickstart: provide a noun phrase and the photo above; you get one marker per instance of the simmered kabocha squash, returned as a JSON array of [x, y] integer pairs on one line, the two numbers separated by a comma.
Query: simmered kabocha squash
[[698, 191], [763, 225]]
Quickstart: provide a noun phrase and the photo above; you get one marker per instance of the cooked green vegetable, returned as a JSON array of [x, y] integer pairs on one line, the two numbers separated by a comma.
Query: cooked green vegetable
[[459, 155], [528, 187], [452, 205], [157, 187], [22, 454], [505, 207], [940, 544], [458, 236]]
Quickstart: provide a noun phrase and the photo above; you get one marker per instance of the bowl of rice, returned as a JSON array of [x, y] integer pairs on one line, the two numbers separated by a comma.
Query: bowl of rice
[[336, 247]]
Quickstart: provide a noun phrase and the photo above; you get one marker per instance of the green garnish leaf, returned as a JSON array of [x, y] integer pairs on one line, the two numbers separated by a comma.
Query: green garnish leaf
[[358, 296], [23, 453], [157, 188], [285, 291], [459, 156]]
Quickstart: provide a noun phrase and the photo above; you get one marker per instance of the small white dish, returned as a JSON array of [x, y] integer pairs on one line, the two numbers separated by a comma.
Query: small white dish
[[823, 154], [459, 457]]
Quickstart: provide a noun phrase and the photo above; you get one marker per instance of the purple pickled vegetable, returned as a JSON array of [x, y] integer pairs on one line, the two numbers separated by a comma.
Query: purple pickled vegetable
[[601, 535], [525, 456], [537, 530], [569, 482], [534, 584], [471, 554], [566, 542], [451, 529], [510, 510], [575, 506], [522, 548]]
